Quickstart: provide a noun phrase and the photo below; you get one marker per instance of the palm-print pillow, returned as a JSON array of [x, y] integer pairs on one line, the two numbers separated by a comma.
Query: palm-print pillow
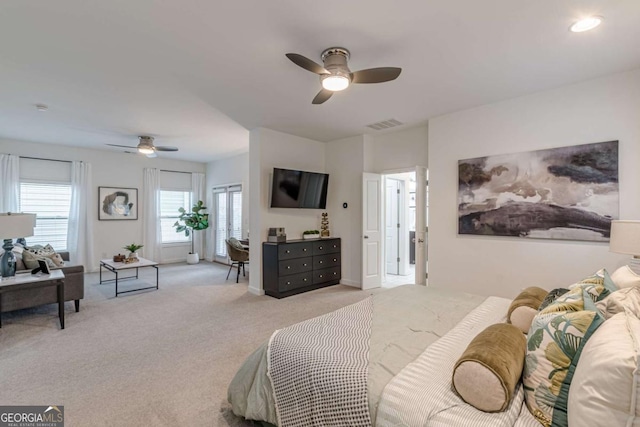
[[554, 343]]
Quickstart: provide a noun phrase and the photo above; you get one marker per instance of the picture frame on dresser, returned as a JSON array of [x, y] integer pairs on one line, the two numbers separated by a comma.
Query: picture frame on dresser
[[117, 203]]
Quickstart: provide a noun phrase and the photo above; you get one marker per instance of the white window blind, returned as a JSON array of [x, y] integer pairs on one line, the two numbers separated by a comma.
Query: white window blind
[[50, 202], [170, 202]]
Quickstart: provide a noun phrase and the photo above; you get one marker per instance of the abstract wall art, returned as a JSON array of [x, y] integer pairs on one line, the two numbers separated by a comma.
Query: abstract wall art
[[117, 203], [561, 193]]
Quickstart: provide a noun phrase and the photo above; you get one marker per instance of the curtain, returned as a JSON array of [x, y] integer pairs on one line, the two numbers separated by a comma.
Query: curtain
[[80, 234], [151, 220], [198, 192], [210, 243], [9, 182]]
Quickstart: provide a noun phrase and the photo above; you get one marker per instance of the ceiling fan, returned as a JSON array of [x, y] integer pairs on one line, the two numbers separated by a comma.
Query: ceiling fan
[[146, 146], [335, 74]]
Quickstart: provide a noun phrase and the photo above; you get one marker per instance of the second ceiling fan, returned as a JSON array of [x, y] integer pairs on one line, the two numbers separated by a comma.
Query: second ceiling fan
[[146, 146], [335, 74]]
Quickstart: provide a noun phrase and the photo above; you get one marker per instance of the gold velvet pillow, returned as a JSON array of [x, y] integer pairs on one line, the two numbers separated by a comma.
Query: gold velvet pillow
[[487, 373], [525, 307]]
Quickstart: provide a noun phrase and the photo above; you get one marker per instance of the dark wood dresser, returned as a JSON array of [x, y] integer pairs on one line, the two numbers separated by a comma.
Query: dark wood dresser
[[296, 266]]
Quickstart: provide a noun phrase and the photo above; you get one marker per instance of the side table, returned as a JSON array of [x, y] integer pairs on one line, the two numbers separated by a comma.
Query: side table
[[26, 281]]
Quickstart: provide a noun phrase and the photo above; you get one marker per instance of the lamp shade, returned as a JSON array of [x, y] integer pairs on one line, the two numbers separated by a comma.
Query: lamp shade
[[625, 237], [16, 225]]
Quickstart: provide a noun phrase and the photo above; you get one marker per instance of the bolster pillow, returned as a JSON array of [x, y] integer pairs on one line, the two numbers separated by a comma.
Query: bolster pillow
[[487, 373], [525, 307]]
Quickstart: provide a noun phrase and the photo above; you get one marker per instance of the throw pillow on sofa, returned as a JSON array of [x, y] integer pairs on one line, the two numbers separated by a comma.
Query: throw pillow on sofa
[[46, 251], [31, 260]]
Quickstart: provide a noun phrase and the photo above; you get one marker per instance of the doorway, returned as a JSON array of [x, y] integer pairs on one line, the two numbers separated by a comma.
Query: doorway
[[227, 217], [400, 228]]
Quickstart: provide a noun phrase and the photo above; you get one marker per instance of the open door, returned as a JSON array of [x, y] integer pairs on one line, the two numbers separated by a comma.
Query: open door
[[371, 230], [421, 225]]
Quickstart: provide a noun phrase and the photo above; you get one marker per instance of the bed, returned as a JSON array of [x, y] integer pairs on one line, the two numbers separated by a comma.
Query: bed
[[397, 354]]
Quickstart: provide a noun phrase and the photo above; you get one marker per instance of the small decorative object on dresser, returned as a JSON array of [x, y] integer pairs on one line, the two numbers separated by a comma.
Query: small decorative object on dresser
[[300, 266], [324, 225], [310, 234]]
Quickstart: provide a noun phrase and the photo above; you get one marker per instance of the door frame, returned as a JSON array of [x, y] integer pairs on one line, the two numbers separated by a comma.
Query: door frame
[[420, 277]]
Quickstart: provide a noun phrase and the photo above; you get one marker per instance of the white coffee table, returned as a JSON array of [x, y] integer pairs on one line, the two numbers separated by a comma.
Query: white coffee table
[[116, 267]]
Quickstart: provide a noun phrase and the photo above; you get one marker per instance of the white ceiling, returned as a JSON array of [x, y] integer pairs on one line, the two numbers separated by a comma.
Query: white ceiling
[[199, 74]]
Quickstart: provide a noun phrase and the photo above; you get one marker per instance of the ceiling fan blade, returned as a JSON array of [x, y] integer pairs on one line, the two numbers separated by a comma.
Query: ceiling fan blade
[[375, 75], [322, 96], [165, 148], [306, 63], [123, 146]]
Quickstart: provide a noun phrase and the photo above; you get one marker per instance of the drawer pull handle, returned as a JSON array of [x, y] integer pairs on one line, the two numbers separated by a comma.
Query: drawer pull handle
[[304, 265], [288, 267], [320, 262], [335, 246], [304, 250], [320, 247], [304, 280], [288, 283], [335, 273], [288, 251], [320, 276], [335, 259]]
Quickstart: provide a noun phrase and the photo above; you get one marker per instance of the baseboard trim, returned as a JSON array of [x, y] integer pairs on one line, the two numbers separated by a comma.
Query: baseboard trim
[[351, 283], [255, 291]]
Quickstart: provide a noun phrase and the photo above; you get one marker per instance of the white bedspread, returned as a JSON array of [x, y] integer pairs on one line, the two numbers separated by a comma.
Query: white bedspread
[[422, 394]]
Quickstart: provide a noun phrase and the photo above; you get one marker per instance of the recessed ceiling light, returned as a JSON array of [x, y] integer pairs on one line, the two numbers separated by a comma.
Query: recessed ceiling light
[[41, 107], [586, 24]]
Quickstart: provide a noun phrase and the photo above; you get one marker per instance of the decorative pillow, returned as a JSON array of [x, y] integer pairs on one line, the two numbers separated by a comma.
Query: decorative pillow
[[31, 260], [46, 252], [235, 243], [617, 302], [602, 285], [606, 381], [487, 373], [524, 307], [556, 338], [625, 277], [551, 297]]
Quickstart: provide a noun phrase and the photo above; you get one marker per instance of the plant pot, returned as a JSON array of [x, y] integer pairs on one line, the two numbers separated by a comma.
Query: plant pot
[[310, 236], [193, 258], [133, 255]]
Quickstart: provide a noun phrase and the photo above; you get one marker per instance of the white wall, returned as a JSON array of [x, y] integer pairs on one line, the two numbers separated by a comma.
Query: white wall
[[599, 110], [345, 165], [110, 169], [269, 149], [392, 151], [230, 171]]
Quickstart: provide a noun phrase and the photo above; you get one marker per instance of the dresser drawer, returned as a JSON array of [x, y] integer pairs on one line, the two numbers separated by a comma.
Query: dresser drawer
[[326, 261], [328, 246], [294, 250], [294, 281], [294, 266], [326, 275]]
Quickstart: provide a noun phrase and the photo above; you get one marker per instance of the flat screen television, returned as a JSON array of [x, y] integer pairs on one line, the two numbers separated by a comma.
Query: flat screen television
[[299, 189]]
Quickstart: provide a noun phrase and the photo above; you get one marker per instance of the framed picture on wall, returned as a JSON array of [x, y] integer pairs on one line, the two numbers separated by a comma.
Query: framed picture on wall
[[117, 203]]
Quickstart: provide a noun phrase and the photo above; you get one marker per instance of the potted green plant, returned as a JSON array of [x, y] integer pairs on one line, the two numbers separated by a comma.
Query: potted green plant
[[311, 234], [133, 249], [192, 221]]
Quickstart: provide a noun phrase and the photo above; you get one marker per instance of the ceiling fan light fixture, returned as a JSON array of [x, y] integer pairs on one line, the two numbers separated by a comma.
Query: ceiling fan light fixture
[[335, 83], [586, 24], [145, 150]]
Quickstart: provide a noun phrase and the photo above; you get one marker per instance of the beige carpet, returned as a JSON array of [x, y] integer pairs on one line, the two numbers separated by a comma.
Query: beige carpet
[[153, 358]]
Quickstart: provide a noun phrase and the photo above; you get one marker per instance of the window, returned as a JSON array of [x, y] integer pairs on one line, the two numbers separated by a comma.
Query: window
[[170, 202], [50, 201]]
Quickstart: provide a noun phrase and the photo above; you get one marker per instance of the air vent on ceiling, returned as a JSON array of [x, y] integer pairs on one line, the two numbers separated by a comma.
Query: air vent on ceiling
[[385, 124]]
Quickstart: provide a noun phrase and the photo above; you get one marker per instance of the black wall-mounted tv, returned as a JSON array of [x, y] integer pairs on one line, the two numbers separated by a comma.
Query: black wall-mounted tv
[[299, 189]]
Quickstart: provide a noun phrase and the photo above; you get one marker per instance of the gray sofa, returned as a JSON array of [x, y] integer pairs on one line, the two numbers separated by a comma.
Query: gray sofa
[[73, 290]]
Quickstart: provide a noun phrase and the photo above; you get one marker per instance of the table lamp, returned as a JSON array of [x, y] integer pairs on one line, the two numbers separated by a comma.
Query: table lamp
[[625, 239], [13, 226]]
